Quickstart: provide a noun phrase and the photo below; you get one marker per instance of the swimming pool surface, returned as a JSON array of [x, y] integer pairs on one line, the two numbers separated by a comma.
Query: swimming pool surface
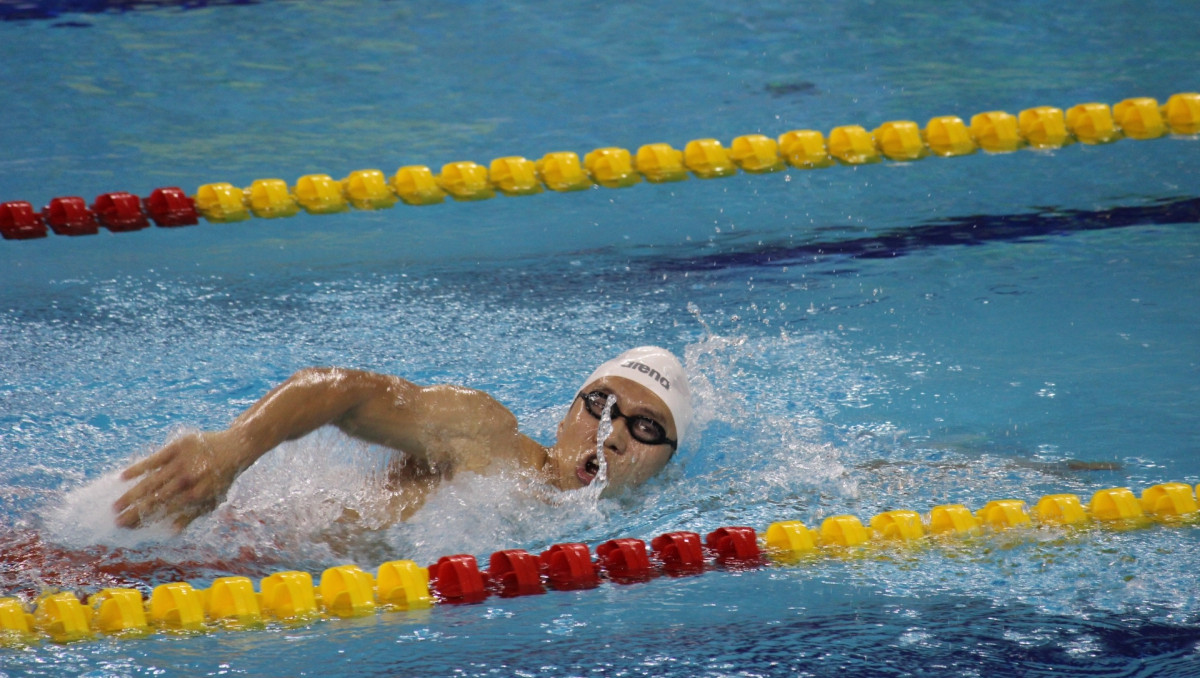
[[859, 339]]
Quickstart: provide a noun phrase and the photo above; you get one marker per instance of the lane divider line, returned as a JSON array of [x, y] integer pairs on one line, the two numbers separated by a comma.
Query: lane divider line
[[1042, 127], [349, 591]]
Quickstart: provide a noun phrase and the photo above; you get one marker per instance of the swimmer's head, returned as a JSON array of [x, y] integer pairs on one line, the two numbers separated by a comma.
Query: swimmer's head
[[651, 415], [658, 370]]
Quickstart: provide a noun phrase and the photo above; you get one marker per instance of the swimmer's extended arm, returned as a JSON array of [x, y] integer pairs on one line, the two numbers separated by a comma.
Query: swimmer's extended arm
[[442, 427]]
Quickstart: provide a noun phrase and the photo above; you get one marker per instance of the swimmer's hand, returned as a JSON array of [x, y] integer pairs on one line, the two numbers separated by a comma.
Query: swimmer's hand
[[181, 482]]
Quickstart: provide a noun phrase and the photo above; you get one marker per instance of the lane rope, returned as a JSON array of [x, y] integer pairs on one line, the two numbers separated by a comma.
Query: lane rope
[[349, 591], [1043, 127]]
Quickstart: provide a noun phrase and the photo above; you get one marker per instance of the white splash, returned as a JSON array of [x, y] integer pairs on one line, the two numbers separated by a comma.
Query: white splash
[[85, 517], [599, 483], [603, 431]]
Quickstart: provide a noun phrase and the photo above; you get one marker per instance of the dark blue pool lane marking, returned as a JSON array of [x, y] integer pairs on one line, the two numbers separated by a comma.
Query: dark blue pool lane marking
[[933, 635], [965, 230], [18, 10]]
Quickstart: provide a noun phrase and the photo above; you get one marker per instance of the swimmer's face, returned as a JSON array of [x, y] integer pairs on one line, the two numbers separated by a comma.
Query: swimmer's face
[[573, 460]]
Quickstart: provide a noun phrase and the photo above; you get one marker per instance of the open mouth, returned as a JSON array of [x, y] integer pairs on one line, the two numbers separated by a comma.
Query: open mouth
[[588, 469]]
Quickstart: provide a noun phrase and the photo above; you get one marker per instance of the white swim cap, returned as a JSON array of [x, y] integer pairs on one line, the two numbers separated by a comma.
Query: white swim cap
[[658, 370]]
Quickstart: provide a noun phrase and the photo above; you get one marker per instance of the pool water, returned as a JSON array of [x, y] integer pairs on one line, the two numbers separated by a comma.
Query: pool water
[[859, 339]]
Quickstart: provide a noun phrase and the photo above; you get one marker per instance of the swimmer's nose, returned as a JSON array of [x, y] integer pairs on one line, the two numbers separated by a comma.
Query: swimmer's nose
[[618, 439]]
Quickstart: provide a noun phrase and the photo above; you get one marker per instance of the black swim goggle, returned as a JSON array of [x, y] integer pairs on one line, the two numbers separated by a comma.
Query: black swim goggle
[[643, 429]]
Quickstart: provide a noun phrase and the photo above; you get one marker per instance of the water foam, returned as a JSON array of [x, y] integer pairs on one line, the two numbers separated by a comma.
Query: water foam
[[84, 517]]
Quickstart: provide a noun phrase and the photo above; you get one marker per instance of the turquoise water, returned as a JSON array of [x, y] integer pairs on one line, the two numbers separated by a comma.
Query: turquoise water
[[860, 339]]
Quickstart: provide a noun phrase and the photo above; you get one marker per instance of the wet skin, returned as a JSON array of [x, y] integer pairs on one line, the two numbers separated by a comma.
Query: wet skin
[[439, 429]]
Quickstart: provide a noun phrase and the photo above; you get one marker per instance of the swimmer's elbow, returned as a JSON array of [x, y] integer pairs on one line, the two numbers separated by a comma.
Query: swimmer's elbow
[[374, 407], [318, 376], [315, 396], [349, 384]]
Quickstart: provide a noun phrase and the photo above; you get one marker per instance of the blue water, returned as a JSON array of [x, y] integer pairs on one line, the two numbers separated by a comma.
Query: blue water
[[860, 339]]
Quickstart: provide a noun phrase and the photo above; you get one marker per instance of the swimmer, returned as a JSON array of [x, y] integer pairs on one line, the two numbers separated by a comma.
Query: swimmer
[[438, 431]]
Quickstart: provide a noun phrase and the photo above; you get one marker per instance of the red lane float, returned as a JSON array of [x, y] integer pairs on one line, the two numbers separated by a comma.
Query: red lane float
[[569, 567], [170, 206], [120, 211], [679, 552], [515, 572], [457, 579], [70, 216], [625, 560], [18, 221], [735, 546]]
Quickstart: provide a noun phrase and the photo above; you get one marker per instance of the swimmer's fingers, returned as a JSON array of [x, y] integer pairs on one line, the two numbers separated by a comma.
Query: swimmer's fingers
[[138, 468], [153, 480], [129, 506], [174, 502], [154, 461], [147, 500]]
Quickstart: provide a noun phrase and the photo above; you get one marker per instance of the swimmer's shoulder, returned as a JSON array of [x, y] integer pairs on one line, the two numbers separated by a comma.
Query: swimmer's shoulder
[[481, 428]]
